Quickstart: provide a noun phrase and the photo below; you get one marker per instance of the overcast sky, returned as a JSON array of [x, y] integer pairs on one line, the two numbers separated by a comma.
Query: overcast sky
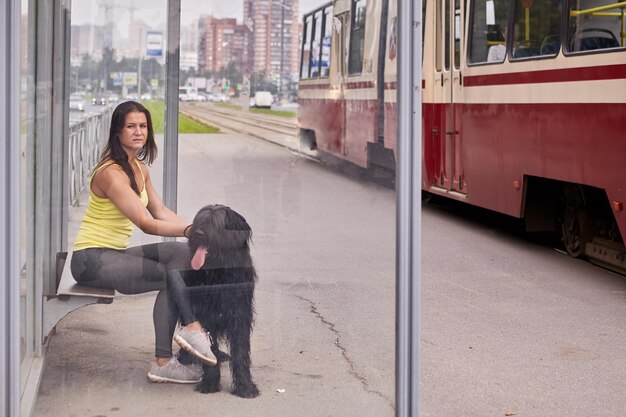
[[153, 11]]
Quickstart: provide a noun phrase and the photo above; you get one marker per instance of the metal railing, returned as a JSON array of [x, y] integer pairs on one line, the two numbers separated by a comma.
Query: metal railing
[[88, 135]]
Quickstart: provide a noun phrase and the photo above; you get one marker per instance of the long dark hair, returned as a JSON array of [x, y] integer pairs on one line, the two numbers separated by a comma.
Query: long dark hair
[[113, 149]]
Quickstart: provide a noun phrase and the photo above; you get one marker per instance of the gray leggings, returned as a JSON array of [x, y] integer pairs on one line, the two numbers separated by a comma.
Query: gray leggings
[[137, 270]]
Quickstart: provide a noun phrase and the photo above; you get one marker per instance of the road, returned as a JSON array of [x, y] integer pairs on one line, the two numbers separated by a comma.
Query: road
[[513, 326], [508, 325]]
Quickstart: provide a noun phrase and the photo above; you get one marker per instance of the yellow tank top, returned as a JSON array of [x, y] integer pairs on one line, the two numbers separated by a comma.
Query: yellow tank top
[[103, 225]]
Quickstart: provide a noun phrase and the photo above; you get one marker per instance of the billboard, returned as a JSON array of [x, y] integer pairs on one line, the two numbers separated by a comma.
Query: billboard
[[130, 79]]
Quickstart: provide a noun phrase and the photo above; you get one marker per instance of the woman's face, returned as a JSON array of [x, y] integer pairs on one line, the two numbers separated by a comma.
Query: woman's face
[[134, 133]]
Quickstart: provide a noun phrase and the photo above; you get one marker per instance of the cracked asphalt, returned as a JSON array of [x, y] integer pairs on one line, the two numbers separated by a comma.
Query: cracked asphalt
[[509, 326], [323, 341]]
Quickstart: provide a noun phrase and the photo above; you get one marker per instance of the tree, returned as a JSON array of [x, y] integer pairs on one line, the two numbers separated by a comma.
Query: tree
[[231, 73], [108, 57], [260, 82]]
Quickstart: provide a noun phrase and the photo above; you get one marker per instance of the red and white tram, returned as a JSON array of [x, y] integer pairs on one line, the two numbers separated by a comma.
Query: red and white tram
[[524, 106]]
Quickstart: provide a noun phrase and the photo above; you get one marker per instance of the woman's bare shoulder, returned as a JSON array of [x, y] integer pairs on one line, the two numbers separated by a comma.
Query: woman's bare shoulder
[[144, 168], [107, 168], [107, 174]]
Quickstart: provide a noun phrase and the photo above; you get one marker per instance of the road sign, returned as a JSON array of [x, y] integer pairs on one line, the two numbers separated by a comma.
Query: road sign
[[154, 44]]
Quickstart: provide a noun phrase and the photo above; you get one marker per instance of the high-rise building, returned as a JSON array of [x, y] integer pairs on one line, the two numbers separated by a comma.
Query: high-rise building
[[274, 46], [135, 45], [86, 40], [189, 38], [222, 41]]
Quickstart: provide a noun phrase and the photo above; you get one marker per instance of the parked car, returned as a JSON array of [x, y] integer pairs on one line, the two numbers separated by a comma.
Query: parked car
[[99, 100], [186, 93], [77, 103], [262, 99], [218, 98], [224, 98]]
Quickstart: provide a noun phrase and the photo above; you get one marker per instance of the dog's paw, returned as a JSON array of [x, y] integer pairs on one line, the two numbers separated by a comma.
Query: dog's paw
[[207, 388], [247, 391]]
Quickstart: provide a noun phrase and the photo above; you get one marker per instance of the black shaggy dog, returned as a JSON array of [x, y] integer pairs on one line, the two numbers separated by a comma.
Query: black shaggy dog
[[221, 292]]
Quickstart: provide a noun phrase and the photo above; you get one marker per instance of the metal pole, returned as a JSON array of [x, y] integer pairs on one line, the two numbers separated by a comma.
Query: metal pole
[[9, 209], [141, 52], [408, 219], [170, 155], [282, 47]]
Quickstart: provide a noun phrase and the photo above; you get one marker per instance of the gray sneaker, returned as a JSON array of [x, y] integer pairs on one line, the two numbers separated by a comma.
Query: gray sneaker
[[198, 344], [175, 372]]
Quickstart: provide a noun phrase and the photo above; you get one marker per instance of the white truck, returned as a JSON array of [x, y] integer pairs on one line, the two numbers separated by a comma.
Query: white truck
[[186, 93], [262, 99]]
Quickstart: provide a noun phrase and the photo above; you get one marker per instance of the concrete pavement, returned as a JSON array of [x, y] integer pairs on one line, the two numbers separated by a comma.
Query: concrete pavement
[[306, 362]]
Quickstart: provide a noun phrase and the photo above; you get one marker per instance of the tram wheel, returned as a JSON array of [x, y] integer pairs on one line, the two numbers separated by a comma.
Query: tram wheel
[[575, 225]]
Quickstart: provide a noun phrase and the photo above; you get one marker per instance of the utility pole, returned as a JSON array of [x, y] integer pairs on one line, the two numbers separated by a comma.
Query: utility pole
[[142, 50], [108, 42], [282, 48]]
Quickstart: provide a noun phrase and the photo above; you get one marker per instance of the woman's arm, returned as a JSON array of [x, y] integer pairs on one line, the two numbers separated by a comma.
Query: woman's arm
[[114, 184]]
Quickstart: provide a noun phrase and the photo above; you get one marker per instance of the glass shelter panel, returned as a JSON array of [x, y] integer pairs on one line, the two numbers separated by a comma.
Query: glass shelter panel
[[27, 126], [267, 261]]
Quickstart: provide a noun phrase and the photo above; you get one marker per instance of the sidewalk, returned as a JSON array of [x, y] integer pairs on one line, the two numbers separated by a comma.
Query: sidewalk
[[96, 362]]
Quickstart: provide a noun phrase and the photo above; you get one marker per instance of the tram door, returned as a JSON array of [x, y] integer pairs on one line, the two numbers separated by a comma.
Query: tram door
[[448, 91], [457, 17], [338, 75]]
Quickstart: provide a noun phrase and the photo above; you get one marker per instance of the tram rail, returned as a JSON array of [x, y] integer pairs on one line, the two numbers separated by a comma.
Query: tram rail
[[265, 127], [237, 120]]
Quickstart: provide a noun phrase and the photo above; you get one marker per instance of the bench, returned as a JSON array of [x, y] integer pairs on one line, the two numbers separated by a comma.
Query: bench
[[70, 295]]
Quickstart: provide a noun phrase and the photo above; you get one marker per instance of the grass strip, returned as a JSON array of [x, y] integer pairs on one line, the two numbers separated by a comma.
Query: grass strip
[[281, 113], [185, 124]]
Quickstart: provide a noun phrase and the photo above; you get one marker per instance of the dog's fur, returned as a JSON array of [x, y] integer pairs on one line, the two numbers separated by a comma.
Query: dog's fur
[[222, 293]]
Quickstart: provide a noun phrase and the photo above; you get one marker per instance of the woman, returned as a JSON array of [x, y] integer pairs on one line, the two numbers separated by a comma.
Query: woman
[[120, 192]]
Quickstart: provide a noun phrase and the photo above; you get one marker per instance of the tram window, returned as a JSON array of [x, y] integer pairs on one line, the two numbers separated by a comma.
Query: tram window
[[316, 47], [488, 26], [537, 29], [446, 55], [438, 37], [357, 37], [594, 24], [306, 49], [457, 34], [326, 42]]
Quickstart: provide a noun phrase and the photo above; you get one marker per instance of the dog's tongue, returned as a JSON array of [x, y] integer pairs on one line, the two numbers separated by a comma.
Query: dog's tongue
[[198, 258]]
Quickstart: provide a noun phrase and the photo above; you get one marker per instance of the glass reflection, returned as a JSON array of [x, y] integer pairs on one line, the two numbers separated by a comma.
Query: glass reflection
[[322, 241], [27, 27]]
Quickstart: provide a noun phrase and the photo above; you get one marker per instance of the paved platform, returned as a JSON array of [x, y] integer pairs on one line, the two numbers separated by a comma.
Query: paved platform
[[304, 362]]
